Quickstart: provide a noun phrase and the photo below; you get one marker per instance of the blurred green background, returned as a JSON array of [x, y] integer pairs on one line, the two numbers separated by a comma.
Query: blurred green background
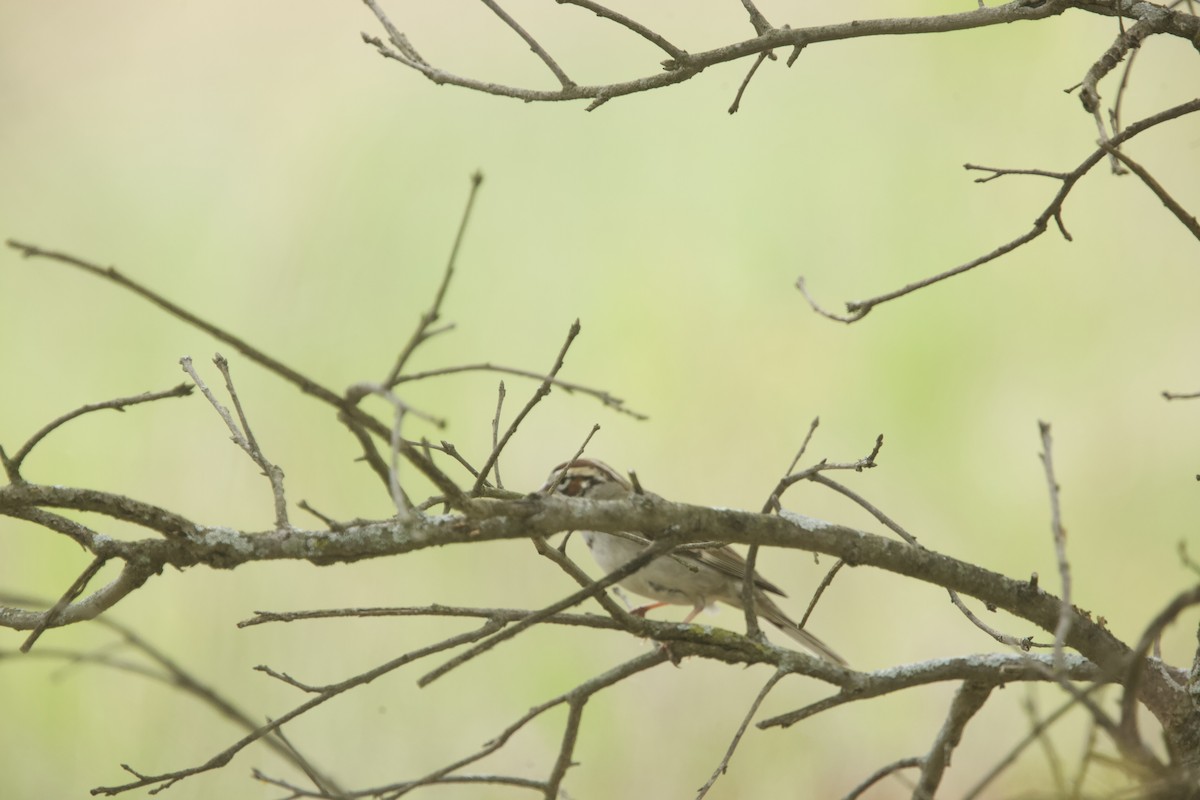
[[263, 167]]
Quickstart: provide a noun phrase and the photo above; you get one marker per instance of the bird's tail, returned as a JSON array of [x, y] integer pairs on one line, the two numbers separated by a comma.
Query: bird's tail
[[767, 609]]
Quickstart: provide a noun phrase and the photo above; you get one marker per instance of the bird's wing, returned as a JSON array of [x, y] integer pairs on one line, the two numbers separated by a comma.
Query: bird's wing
[[728, 561]]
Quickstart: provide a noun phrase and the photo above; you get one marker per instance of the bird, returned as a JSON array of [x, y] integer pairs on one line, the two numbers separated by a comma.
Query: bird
[[698, 578]]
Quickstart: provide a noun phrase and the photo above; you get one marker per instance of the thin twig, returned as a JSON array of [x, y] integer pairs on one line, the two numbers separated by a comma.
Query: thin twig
[[566, 748], [772, 504], [303, 382], [370, 453], [242, 436], [1034, 734], [967, 701], [1024, 643], [534, 45], [397, 38], [423, 332], [641, 30], [811, 473], [574, 698], [749, 587], [400, 499], [552, 482], [749, 584], [1085, 761], [501, 615], [859, 308], [825, 583], [1189, 221], [496, 433], [656, 548], [1127, 40], [1000, 172], [12, 465], [677, 70], [1063, 629], [737, 99], [542, 390], [77, 532], [615, 403], [167, 779], [1141, 759], [175, 676], [1138, 662], [75, 589], [1114, 114], [881, 773], [1049, 751], [994, 669], [723, 767]]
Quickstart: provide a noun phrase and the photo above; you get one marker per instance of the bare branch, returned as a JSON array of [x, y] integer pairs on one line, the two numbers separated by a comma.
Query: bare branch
[[811, 473], [1025, 643], [542, 391], [757, 20], [398, 39], [1181, 214], [881, 773], [575, 698], [131, 577], [68, 597], [825, 583], [82, 535], [737, 100], [682, 67], [1053, 761], [1000, 172], [615, 403], [1152, 20], [1066, 614], [1034, 734], [970, 698], [171, 674], [16, 499], [496, 433], [12, 466], [501, 615], [400, 499], [991, 669], [423, 331], [741, 731], [773, 505], [657, 548], [1138, 663], [567, 747], [749, 586], [1114, 114], [550, 63], [489, 519], [302, 382], [242, 436], [636, 27], [167, 779], [859, 309]]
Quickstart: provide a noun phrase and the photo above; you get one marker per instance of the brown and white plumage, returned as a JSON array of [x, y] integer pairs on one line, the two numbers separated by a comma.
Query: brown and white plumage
[[697, 578]]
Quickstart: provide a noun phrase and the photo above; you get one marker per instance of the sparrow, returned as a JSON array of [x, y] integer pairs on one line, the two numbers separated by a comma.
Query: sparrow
[[698, 578]]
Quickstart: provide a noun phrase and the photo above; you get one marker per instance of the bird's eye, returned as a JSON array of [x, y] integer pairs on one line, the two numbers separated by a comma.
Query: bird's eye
[[572, 485]]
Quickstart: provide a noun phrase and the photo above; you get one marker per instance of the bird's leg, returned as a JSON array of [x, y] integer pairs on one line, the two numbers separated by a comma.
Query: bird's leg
[[696, 609], [641, 610]]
